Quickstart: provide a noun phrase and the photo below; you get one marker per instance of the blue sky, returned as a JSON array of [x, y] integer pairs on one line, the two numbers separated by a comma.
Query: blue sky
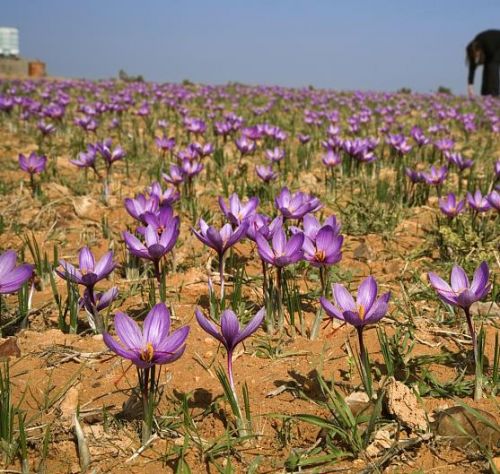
[[357, 44]]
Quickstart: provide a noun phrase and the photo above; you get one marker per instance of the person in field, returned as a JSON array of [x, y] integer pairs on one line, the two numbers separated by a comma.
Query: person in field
[[484, 50]]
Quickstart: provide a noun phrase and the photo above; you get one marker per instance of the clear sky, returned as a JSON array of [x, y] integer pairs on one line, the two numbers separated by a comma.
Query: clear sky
[[341, 44]]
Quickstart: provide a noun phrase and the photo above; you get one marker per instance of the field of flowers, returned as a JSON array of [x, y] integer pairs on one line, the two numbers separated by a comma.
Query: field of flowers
[[247, 279]]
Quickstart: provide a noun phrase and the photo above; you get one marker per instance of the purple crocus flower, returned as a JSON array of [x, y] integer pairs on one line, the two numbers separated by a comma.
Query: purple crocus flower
[[414, 176], [266, 173], [12, 278], [86, 159], [435, 176], [89, 272], [165, 198], [110, 155], [331, 159], [275, 155], [46, 128], [325, 249], [191, 168], [32, 164], [176, 176], [296, 206], [165, 143], [245, 145], [283, 252], [236, 212], [220, 241], [140, 206], [449, 205], [303, 138], [497, 169], [230, 334], [158, 242], [494, 199], [367, 309], [478, 202], [461, 293], [459, 161], [262, 224], [311, 225], [419, 137], [154, 345], [100, 300]]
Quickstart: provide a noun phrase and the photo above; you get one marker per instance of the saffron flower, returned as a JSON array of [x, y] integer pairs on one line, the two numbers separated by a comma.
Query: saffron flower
[[435, 176], [237, 212], [266, 173], [463, 294], [283, 252], [494, 199], [478, 202], [12, 278], [367, 309], [140, 206], [176, 176], [158, 242], [99, 301], [32, 164], [89, 272], [331, 159], [324, 249], [296, 206], [220, 241], [230, 334], [154, 345], [450, 207], [275, 155]]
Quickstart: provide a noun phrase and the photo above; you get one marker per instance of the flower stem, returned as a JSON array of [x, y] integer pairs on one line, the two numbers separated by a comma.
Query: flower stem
[[221, 274], [478, 389]]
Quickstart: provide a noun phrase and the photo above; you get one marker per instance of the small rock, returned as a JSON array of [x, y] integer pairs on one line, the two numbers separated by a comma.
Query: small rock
[[363, 252], [496, 463], [85, 207], [403, 405], [460, 427], [382, 440]]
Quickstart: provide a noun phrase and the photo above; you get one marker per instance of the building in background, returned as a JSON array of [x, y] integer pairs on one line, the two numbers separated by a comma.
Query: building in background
[[12, 64]]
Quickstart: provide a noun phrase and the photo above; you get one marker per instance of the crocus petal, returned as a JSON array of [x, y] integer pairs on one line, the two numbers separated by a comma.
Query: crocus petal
[[156, 325], [230, 328], [293, 246], [117, 348], [378, 309], [172, 343], [331, 310], [279, 242], [480, 279], [86, 260], [367, 292], [264, 249], [128, 331], [7, 262], [459, 280], [69, 272], [252, 326], [168, 357], [16, 278], [343, 298], [208, 326], [444, 290], [105, 265]]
